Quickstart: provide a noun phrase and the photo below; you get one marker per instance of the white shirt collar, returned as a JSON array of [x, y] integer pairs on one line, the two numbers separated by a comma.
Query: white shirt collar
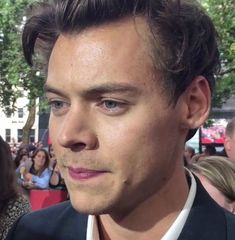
[[92, 232], [175, 229]]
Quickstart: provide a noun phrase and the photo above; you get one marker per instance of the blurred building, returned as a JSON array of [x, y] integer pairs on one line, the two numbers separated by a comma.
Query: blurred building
[[227, 110], [12, 125]]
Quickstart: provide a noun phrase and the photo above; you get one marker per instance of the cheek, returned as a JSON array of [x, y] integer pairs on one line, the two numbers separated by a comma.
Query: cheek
[[53, 129], [148, 133], [40, 162], [137, 147], [59, 164]]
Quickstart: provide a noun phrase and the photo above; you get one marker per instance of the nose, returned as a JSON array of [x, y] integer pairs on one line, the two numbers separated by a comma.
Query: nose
[[76, 131]]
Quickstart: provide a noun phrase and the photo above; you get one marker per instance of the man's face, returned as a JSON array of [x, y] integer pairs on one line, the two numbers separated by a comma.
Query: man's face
[[116, 139], [229, 145]]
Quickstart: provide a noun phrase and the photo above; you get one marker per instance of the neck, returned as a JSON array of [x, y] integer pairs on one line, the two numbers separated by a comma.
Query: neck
[[152, 218], [37, 169]]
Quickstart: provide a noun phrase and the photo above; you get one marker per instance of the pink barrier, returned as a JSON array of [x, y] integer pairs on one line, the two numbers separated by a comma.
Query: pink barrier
[[45, 198]]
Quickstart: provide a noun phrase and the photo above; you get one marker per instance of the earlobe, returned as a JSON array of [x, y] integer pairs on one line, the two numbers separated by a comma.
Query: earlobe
[[198, 102]]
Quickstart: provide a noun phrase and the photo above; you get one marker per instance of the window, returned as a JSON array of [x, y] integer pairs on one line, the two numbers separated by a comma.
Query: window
[[8, 112], [20, 113], [32, 135], [8, 135], [19, 135]]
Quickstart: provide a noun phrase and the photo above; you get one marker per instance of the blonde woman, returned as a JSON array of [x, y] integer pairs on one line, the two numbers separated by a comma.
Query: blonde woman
[[217, 175]]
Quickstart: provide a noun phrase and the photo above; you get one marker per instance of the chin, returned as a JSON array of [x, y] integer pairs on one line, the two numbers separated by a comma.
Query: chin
[[94, 200], [92, 205], [88, 206]]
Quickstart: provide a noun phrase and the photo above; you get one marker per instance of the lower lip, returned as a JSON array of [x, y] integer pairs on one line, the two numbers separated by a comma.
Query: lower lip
[[84, 175]]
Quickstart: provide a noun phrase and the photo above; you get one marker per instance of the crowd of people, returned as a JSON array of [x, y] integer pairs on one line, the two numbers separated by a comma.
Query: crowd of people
[[190, 156], [20, 171], [37, 168], [216, 169]]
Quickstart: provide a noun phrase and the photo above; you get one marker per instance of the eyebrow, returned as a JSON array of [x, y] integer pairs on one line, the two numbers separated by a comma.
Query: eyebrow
[[49, 89], [99, 90]]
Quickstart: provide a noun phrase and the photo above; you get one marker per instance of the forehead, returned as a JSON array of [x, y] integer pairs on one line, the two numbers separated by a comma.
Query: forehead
[[40, 153], [121, 48], [127, 33]]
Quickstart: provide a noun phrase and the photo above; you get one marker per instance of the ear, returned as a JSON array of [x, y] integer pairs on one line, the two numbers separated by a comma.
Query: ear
[[227, 143], [197, 102]]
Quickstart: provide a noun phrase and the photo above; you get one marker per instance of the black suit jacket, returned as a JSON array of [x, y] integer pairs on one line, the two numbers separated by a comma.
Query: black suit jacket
[[206, 221]]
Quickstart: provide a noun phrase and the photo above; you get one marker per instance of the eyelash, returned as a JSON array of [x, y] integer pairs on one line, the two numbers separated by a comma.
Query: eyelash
[[59, 107], [106, 102], [117, 109]]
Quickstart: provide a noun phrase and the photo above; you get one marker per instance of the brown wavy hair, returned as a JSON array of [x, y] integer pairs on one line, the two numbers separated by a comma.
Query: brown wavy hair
[[183, 37], [8, 189]]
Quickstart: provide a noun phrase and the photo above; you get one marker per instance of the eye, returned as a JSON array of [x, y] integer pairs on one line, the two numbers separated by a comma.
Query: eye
[[112, 107], [58, 107], [109, 104], [56, 104]]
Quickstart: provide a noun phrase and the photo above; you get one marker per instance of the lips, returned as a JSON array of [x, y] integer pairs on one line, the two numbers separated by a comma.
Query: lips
[[84, 174]]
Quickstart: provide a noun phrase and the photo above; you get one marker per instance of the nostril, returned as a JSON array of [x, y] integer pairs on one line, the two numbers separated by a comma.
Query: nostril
[[78, 147], [78, 141]]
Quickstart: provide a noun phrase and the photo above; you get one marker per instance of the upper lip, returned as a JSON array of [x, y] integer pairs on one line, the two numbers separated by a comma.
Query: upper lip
[[82, 170]]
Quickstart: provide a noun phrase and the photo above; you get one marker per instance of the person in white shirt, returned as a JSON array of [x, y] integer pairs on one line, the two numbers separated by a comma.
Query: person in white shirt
[[128, 82]]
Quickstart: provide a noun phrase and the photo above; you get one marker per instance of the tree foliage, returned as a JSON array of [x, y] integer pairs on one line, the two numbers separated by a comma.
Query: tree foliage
[[16, 78], [222, 13], [15, 74]]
